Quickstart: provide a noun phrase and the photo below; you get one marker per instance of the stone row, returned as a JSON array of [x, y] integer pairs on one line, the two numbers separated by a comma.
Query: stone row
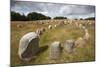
[[29, 44]]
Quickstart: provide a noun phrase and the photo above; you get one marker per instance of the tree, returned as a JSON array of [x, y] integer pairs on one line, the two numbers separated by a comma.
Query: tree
[[15, 16], [90, 18], [37, 16], [31, 16], [59, 17], [18, 17], [23, 18]]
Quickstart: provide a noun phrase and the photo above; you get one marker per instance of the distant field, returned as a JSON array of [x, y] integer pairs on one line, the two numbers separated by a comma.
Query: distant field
[[60, 33]]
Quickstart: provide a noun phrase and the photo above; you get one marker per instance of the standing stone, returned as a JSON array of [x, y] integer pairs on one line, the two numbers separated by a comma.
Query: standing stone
[[55, 50], [42, 30], [80, 42], [80, 25], [90, 23], [86, 30], [49, 27], [65, 22], [68, 46], [55, 25], [41, 22], [83, 27], [86, 36], [28, 46], [71, 21], [19, 26], [76, 24], [38, 31]]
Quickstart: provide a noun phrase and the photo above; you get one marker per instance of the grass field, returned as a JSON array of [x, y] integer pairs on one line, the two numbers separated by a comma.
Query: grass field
[[60, 33]]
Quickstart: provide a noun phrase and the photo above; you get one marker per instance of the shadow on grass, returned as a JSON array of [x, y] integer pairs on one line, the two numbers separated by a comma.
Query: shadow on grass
[[42, 49], [31, 62]]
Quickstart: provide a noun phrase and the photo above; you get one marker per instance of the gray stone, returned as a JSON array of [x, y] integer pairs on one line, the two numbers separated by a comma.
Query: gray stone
[[55, 50], [71, 21], [68, 46], [65, 22], [80, 25], [55, 25], [49, 27], [80, 42], [83, 27], [86, 30], [76, 24], [19, 26], [42, 30], [38, 31], [28, 46], [86, 36]]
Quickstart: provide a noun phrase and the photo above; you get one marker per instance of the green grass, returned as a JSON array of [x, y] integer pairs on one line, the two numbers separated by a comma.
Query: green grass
[[60, 33]]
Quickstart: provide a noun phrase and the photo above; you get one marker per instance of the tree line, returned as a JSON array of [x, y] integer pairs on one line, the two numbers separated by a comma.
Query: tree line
[[90, 18], [15, 16]]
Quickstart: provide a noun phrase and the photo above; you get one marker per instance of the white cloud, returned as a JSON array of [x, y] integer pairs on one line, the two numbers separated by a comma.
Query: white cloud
[[53, 9], [63, 9]]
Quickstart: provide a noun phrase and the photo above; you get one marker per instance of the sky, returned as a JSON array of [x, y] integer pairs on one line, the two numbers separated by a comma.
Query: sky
[[54, 9]]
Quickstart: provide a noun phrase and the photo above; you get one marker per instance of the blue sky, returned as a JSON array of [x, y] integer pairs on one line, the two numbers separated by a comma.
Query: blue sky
[[53, 9]]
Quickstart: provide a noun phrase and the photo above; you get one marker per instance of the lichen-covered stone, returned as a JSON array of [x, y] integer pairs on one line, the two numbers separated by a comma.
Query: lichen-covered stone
[[55, 50], [68, 46], [28, 46]]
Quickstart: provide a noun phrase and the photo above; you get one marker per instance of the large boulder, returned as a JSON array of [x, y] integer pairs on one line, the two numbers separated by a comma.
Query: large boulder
[[55, 50], [28, 46]]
